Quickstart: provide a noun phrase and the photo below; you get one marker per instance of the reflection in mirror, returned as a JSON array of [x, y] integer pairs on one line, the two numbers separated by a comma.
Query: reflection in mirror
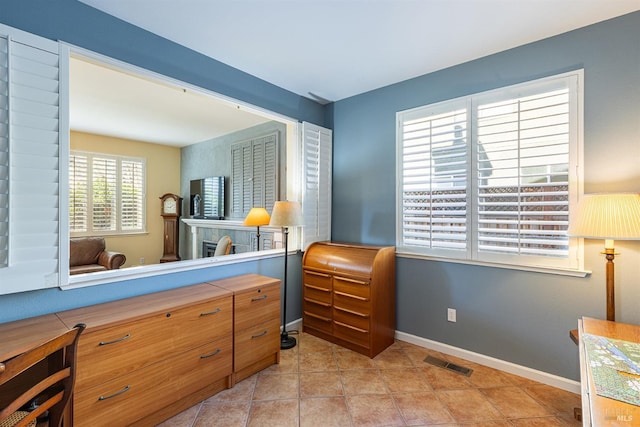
[[141, 138]]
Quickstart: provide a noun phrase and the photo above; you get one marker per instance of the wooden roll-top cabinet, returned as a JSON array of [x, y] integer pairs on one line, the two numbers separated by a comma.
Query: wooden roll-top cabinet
[[349, 295]]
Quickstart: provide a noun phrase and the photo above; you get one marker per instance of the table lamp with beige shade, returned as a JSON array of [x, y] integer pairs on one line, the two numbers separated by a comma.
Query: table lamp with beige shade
[[608, 216]]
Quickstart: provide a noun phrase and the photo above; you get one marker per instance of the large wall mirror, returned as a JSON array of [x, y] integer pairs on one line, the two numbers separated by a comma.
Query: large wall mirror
[[134, 137]]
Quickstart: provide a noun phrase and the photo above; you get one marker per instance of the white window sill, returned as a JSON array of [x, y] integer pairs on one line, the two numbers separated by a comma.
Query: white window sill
[[534, 269]]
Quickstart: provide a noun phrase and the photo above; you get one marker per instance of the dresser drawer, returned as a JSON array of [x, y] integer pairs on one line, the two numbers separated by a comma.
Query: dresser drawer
[[351, 317], [124, 400], [256, 342], [113, 351], [311, 319], [351, 333], [318, 308], [317, 282], [257, 305]]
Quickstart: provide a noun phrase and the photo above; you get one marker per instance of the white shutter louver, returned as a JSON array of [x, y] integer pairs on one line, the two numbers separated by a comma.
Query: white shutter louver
[[29, 127], [316, 174], [104, 194]]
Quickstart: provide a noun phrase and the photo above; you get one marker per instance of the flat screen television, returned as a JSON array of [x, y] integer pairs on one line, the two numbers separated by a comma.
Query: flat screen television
[[207, 198]]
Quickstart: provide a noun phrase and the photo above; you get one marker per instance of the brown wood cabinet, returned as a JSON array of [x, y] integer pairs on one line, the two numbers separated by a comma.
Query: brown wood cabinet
[[256, 323], [349, 295]]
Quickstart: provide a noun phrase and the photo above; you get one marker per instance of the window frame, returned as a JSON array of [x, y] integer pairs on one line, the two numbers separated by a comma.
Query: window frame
[[118, 230], [573, 264]]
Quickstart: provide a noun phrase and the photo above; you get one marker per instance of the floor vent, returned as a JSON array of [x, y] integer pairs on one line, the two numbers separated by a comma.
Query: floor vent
[[447, 365]]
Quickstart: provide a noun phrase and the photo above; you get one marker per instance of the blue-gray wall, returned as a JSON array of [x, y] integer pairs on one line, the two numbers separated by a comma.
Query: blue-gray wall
[[521, 317], [83, 26]]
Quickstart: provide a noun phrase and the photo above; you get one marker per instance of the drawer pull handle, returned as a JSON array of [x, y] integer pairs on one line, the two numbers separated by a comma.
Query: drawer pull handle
[[315, 316], [312, 301], [126, 337], [217, 310], [263, 333], [117, 393], [364, 331], [317, 288], [313, 273], [356, 282], [351, 296], [351, 312], [259, 298], [204, 356]]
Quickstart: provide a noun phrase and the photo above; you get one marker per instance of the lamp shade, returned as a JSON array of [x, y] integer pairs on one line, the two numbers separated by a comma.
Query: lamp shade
[[257, 217], [286, 214], [614, 216]]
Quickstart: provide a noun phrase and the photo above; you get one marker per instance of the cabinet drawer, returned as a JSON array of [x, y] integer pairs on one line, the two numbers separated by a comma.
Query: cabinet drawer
[[317, 293], [114, 351], [351, 317], [351, 333], [358, 288], [318, 308], [255, 343], [319, 282], [311, 319], [257, 306], [126, 399]]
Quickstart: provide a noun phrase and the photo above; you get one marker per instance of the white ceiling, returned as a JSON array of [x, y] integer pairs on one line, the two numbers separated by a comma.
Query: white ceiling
[[339, 48], [332, 49], [111, 102]]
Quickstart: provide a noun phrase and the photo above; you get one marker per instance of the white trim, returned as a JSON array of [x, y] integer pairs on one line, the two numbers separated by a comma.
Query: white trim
[[139, 272], [512, 368], [548, 270]]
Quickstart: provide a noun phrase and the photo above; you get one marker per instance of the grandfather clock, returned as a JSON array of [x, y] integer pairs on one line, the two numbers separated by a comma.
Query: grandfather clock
[[170, 211]]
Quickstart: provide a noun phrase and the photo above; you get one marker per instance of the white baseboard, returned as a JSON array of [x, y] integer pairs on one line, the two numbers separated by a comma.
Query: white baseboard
[[523, 371]]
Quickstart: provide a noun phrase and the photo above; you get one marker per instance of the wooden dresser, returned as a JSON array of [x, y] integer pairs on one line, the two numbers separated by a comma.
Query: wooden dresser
[[256, 323], [349, 295]]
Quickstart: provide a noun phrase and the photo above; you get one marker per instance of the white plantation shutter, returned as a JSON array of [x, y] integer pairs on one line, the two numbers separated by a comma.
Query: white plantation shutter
[[435, 178], [486, 177], [254, 174], [523, 200], [107, 194], [78, 193], [104, 187], [316, 195], [4, 153], [132, 187], [29, 135]]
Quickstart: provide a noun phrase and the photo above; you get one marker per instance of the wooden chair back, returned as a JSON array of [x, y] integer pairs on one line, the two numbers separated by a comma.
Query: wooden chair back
[[51, 392]]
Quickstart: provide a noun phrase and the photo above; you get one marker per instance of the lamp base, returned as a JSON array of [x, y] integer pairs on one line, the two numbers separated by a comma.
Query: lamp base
[[286, 342]]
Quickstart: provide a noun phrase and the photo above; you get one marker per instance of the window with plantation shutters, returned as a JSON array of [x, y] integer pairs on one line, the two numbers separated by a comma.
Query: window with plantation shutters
[[106, 194], [487, 177], [254, 174]]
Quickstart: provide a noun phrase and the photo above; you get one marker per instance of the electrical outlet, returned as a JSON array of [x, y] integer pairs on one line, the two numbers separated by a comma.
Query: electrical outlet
[[142, 261], [451, 314]]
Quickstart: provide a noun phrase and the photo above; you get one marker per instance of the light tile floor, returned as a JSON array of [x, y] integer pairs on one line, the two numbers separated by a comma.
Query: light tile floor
[[321, 384]]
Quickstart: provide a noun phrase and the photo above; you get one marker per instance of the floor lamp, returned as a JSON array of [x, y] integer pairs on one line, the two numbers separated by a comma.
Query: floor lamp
[[255, 218], [609, 217], [285, 215]]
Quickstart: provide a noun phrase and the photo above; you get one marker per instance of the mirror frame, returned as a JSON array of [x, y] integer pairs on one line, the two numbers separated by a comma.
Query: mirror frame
[[292, 178]]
